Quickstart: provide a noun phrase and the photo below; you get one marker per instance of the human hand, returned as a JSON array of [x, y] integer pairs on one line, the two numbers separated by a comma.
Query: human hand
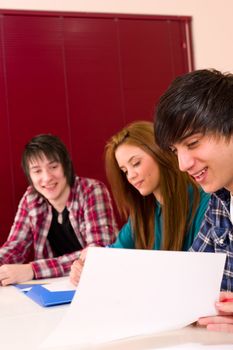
[[225, 303], [77, 267], [223, 322], [15, 273]]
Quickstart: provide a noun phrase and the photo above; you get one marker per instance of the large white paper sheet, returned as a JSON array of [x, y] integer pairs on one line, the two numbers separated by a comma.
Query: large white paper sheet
[[124, 293]]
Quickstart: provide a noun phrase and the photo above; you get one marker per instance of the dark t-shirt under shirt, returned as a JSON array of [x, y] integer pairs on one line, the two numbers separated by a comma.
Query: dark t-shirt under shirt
[[61, 236]]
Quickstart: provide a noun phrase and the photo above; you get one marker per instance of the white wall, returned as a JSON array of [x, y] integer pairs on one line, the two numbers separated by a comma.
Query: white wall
[[212, 21]]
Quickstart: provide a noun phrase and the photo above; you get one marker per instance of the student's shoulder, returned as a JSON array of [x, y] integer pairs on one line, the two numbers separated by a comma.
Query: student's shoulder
[[31, 198], [86, 184]]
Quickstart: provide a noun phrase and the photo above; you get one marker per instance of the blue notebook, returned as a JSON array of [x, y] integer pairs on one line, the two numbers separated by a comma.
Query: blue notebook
[[45, 297]]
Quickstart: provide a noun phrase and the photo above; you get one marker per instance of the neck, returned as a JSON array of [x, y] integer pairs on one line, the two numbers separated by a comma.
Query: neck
[[60, 202], [158, 197], [230, 190]]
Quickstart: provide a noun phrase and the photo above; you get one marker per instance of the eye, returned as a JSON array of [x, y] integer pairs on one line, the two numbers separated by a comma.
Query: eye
[[36, 171], [136, 164], [54, 166], [192, 144]]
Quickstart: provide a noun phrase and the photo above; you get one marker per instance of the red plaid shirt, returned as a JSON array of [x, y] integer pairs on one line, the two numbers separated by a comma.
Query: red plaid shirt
[[91, 216]]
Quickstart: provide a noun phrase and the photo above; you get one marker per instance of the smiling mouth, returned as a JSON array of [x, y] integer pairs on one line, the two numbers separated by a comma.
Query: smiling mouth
[[198, 176], [50, 188], [138, 184]]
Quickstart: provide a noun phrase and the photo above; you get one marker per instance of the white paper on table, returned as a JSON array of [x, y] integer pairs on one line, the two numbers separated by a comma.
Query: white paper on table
[[60, 286], [124, 293]]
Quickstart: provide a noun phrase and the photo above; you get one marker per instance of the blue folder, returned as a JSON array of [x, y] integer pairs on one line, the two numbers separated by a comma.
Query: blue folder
[[45, 297]]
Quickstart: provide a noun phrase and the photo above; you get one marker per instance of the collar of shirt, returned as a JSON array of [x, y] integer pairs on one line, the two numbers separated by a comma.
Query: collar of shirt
[[225, 197], [231, 208]]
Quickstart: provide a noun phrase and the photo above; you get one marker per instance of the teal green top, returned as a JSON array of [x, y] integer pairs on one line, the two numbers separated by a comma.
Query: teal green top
[[125, 237]]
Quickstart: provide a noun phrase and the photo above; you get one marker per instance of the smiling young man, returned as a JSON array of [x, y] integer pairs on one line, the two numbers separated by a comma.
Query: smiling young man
[[194, 119], [58, 216]]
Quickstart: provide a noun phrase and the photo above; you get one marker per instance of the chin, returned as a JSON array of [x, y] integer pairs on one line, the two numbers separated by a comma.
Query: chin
[[211, 189], [144, 193]]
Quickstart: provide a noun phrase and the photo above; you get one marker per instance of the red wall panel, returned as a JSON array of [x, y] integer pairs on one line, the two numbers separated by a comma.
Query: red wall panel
[[147, 49], [81, 77], [35, 82], [94, 89], [7, 186]]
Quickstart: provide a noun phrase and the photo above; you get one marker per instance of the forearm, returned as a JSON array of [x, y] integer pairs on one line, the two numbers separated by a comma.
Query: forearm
[[15, 252]]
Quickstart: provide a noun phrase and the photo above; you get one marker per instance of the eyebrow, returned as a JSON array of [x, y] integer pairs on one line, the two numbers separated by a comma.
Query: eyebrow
[[129, 161], [131, 158], [183, 138], [38, 166]]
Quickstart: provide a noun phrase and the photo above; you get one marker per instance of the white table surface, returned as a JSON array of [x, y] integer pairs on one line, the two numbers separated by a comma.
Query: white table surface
[[24, 325]]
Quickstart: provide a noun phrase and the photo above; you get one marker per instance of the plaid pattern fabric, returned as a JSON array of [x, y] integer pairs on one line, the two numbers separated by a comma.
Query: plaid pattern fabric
[[216, 234], [91, 216]]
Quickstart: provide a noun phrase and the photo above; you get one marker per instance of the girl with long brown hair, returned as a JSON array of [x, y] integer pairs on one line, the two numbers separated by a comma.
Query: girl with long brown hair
[[163, 207]]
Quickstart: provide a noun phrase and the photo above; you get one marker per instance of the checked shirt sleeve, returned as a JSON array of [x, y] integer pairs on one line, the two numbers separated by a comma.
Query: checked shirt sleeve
[[99, 227], [215, 234], [54, 267], [18, 246]]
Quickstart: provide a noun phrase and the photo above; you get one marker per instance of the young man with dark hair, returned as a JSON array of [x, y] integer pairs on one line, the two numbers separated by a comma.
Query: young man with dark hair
[[58, 216], [194, 119]]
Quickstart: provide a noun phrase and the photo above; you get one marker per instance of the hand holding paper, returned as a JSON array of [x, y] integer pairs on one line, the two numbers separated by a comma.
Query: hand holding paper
[[224, 321], [77, 267]]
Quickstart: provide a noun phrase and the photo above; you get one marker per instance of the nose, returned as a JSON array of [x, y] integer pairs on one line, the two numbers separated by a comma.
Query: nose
[[185, 160], [131, 174], [46, 175]]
